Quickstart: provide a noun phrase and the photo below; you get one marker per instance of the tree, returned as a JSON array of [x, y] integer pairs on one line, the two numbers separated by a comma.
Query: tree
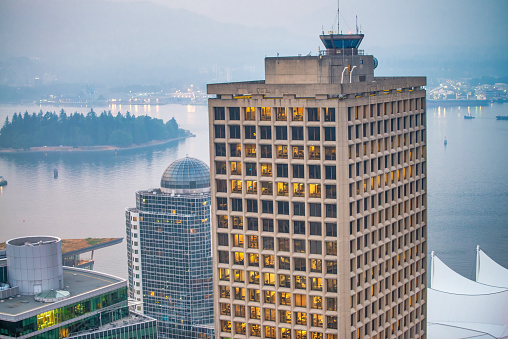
[[120, 138]]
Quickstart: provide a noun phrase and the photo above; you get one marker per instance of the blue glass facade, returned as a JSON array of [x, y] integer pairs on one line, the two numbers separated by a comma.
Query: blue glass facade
[[173, 271]]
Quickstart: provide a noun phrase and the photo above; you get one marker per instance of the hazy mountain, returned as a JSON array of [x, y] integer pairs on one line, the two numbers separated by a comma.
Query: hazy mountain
[[120, 43], [130, 42]]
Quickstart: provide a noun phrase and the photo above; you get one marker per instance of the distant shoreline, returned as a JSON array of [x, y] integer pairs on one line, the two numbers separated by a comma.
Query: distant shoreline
[[101, 148]]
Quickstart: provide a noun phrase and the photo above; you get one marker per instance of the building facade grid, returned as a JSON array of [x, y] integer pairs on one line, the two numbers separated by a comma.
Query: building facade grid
[[319, 210]]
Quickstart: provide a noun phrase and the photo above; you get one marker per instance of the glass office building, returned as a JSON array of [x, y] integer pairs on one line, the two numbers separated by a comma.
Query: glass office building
[[87, 304], [169, 251]]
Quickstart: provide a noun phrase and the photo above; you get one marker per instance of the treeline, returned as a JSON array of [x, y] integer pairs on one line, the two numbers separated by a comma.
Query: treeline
[[51, 129]]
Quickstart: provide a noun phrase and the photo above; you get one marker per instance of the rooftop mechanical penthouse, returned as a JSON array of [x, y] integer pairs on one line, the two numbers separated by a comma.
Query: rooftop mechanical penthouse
[[319, 199]]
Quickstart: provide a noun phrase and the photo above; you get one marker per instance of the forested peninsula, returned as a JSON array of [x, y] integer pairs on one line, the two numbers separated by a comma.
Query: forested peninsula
[[78, 130]]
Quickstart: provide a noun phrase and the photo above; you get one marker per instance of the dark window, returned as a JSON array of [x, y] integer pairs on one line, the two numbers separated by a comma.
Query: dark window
[[299, 245], [329, 114], [224, 257], [266, 132], [220, 167], [284, 244], [299, 208], [252, 224], [331, 191], [222, 185], [236, 150], [314, 172], [282, 170], [330, 153], [313, 133], [236, 205], [222, 204], [298, 171], [315, 247], [329, 133], [331, 268], [220, 149], [220, 131], [284, 264], [283, 226], [283, 207], [297, 133], [250, 169], [234, 113], [331, 210], [266, 151], [281, 132], [299, 227], [268, 243], [331, 229], [252, 205], [315, 228], [219, 113], [313, 114], [267, 206], [222, 239], [250, 132], [315, 210], [268, 225], [331, 172], [234, 131], [300, 264]]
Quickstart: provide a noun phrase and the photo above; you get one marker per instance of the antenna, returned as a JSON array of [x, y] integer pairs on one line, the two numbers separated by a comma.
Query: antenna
[[356, 16], [338, 16]]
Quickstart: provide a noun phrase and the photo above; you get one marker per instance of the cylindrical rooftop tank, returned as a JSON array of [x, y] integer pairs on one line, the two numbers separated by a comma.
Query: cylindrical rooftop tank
[[34, 264]]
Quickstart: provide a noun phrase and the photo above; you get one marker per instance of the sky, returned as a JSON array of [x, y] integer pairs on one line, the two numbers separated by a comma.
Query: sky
[[116, 42], [431, 23]]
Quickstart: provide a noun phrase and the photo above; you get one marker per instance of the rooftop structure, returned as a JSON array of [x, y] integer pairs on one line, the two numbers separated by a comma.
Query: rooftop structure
[[169, 251], [73, 249], [186, 175], [319, 199], [59, 301]]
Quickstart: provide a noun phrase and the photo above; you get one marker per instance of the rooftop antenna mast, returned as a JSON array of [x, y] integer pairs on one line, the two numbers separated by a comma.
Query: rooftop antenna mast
[[338, 16], [356, 24]]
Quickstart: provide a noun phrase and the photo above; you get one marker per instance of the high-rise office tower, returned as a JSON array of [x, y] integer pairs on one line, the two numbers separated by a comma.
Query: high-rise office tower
[[169, 251], [319, 199]]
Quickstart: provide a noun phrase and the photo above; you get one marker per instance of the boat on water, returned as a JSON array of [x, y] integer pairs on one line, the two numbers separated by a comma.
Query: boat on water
[[55, 173], [3, 182], [469, 116], [502, 117], [445, 141]]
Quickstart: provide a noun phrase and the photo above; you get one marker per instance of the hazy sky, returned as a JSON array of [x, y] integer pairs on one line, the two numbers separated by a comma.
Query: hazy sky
[[153, 41], [434, 23]]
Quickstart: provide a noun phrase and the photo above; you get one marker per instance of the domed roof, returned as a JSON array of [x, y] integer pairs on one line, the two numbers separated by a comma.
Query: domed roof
[[186, 174]]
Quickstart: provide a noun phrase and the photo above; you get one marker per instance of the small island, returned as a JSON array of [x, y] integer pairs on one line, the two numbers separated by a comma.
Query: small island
[[53, 132]]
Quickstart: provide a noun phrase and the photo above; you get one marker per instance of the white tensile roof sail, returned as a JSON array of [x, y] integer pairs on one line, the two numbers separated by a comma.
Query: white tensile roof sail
[[488, 271], [461, 308]]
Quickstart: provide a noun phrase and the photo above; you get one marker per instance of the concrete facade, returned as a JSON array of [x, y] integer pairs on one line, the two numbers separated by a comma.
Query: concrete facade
[[319, 201]]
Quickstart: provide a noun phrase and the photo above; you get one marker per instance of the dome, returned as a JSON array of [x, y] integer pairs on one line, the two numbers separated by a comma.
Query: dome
[[186, 174]]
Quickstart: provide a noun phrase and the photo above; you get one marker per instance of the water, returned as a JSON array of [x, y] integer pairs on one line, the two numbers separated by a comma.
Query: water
[[467, 184], [93, 188]]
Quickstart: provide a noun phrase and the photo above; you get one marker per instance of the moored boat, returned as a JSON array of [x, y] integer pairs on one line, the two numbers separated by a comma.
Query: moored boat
[[502, 117], [469, 116], [3, 182]]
